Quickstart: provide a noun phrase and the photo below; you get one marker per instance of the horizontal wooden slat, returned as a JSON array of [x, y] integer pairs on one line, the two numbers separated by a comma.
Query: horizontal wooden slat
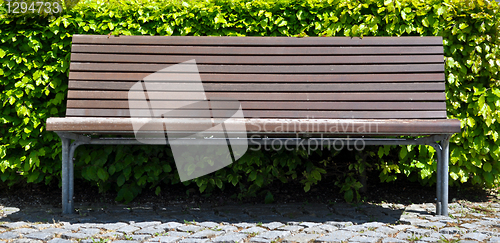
[[211, 59], [267, 41], [257, 50], [302, 78], [223, 87], [263, 114], [355, 96], [394, 68], [269, 105], [292, 126]]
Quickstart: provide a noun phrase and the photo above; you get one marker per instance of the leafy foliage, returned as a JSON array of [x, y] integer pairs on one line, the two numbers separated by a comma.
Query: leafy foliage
[[35, 52]]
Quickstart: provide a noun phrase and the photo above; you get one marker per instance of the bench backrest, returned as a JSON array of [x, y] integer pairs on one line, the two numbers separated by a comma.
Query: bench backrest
[[272, 77]]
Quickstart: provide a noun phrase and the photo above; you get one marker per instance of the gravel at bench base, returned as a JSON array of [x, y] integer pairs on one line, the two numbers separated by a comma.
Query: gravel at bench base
[[386, 223]]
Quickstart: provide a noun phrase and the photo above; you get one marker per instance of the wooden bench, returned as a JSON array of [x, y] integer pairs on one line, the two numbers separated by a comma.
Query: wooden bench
[[314, 85]]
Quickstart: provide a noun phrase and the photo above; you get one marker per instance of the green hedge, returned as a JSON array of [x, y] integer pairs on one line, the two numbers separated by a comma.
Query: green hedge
[[35, 52]]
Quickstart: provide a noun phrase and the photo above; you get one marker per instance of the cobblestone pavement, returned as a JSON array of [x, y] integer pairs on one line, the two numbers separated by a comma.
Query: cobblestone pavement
[[340, 222]]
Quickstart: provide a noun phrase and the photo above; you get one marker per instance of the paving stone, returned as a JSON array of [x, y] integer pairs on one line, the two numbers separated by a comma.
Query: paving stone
[[139, 237], [429, 239], [208, 225], [164, 239], [26, 241], [40, 236], [337, 236], [363, 239], [309, 224], [206, 234], [432, 225], [169, 226], [24, 230], [74, 236], [386, 230], [227, 228], [355, 228], [257, 239], [126, 241], [315, 230], [230, 238], [257, 230], [59, 240], [300, 238], [413, 221], [90, 231], [420, 232], [9, 235], [292, 228], [147, 224], [494, 239], [10, 210], [54, 230], [475, 236], [149, 231], [401, 227], [15, 225], [339, 225], [189, 228], [128, 229], [469, 226], [244, 225], [273, 225], [193, 240], [114, 226], [392, 240], [452, 230], [274, 234], [373, 234], [178, 234]]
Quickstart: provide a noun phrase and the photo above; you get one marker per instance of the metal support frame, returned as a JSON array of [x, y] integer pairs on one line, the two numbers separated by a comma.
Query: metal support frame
[[442, 151]]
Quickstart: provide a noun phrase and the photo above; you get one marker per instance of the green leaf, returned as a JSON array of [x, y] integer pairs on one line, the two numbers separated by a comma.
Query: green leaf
[[269, 198], [487, 167], [102, 174], [349, 195], [2, 53], [157, 191]]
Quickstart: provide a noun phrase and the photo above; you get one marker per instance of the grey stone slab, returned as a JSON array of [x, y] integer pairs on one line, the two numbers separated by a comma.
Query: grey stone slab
[[126, 241], [15, 225], [337, 236], [206, 234], [300, 238], [112, 235], [149, 231], [244, 225], [140, 237], [494, 239], [227, 228], [59, 240], [193, 240], [386, 230], [55, 230], [309, 224], [291, 228], [413, 221], [392, 240], [355, 228], [469, 225], [273, 225], [114, 226], [363, 239], [9, 235], [178, 234], [24, 230], [429, 239], [40, 236], [165, 239], [275, 234], [169, 226], [373, 234], [401, 227], [74, 236], [432, 225], [90, 231], [147, 224], [339, 225], [230, 238], [475, 236], [452, 230], [420, 232], [190, 228], [257, 239], [42, 226], [26, 241], [315, 230], [252, 230], [128, 229], [209, 225], [9, 210]]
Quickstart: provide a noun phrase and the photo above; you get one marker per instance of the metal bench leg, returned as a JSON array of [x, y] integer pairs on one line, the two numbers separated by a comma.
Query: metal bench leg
[[65, 174], [444, 176], [439, 181]]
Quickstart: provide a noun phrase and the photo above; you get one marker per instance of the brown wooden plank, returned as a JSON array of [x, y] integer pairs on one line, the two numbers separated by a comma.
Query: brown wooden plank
[[302, 78], [267, 41], [257, 50], [211, 59], [321, 96], [269, 105], [263, 114], [387, 68], [223, 87], [319, 127]]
